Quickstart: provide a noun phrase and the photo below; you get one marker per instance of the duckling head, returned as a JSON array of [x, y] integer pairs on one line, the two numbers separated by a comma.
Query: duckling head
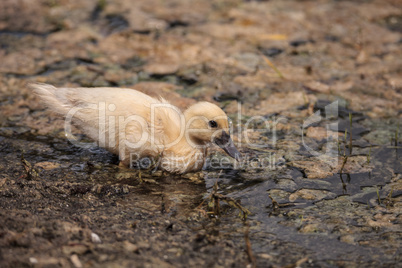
[[208, 124]]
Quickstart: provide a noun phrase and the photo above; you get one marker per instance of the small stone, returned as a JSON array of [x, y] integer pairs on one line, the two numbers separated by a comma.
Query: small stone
[[76, 249], [161, 68], [3, 181], [128, 246], [125, 189], [320, 133], [47, 165], [309, 194], [76, 261], [314, 169], [266, 256], [310, 228], [317, 86], [347, 239], [33, 260], [157, 173], [95, 238]]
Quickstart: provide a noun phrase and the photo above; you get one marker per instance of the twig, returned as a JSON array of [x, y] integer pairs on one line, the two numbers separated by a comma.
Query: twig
[[345, 159], [31, 172], [216, 197], [249, 251], [275, 205], [232, 202]]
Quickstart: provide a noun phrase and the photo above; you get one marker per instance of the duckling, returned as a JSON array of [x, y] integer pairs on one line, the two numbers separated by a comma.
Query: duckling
[[135, 126]]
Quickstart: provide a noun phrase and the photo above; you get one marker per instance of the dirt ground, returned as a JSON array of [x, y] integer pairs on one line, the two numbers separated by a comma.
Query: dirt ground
[[64, 206]]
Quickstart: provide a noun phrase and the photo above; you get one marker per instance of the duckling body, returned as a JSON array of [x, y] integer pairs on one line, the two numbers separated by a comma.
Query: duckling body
[[134, 125]]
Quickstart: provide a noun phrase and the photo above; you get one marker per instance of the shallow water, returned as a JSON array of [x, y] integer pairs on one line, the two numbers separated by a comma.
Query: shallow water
[[307, 209], [329, 220]]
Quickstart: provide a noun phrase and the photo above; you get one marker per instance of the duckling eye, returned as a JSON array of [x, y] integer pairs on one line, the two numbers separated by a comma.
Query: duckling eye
[[213, 124]]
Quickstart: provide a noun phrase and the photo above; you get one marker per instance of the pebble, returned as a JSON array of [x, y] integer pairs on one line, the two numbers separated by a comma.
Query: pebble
[[95, 238], [33, 260], [76, 261]]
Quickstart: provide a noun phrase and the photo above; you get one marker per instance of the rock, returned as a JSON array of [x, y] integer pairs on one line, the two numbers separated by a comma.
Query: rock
[[159, 68], [24, 15], [279, 102], [3, 180], [130, 247], [33, 260], [279, 195], [76, 261], [95, 238], [320, 133], [24, 63], [75, 249], [314, 169], [47, 165], [310, 194], [311, 228], [247, 61], [317, 86], [350, 239]]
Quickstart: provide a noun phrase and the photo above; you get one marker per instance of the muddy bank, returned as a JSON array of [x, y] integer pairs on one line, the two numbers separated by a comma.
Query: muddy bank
[[314, 92]]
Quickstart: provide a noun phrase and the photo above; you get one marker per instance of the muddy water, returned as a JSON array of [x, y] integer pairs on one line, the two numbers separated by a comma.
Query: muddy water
[[327, 219], [322, 189]]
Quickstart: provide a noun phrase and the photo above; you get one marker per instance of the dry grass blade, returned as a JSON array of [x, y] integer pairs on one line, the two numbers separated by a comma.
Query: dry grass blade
[[350, 135], [270, 64], [378, 195]]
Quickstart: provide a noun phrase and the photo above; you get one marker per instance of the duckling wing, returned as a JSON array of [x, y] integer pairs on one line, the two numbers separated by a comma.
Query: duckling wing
[[121, 120]]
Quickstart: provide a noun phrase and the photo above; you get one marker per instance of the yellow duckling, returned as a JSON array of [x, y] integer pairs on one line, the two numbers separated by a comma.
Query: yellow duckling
[[134, 125]]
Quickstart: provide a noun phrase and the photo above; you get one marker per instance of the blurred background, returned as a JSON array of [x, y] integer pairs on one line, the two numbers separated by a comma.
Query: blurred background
[[62, 206], [213, 50]]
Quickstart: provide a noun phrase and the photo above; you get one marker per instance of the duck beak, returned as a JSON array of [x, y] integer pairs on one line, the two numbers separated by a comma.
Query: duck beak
[[226, 143]]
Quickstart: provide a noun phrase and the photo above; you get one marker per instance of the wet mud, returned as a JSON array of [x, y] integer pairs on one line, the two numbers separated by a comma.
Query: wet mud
[[313, 88]]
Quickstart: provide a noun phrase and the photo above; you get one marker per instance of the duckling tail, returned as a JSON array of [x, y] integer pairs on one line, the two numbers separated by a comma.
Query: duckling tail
[[53, 97]]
